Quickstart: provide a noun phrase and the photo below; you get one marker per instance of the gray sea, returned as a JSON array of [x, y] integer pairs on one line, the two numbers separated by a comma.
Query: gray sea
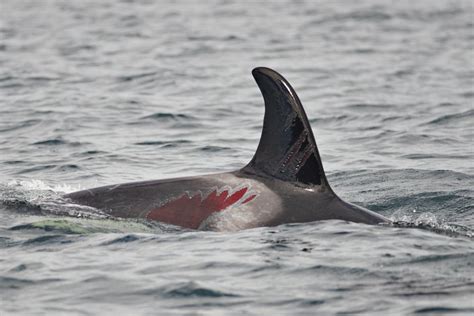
[[104, 92]]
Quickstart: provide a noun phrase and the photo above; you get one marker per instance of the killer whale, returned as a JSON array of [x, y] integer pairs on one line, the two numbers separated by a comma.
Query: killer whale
[[283, 183]]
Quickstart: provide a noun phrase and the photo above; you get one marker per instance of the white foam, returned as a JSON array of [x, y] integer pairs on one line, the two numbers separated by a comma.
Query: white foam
[[40, 185]]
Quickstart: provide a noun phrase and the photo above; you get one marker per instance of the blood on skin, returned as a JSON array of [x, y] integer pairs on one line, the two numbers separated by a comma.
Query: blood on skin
[[190, 211]]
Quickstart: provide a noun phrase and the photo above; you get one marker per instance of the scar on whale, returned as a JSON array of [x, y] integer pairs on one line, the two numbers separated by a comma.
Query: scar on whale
[[189, 211]]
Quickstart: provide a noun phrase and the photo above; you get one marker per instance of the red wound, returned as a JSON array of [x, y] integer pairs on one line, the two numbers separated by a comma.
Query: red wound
[[190, 211]]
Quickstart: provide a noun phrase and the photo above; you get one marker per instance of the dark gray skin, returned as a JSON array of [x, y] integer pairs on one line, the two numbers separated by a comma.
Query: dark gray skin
[[283, 183]]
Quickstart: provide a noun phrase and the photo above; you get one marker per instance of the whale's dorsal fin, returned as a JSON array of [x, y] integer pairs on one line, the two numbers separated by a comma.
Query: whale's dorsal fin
[[287, 149]]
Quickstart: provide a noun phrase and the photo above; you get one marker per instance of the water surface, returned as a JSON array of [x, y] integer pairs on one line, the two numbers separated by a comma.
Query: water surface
[[103, 92]]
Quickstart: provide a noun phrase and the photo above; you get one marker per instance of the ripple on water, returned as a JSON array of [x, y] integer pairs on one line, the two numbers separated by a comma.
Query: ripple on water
[[192, 289], [122, 239], [58, 142], [164, 116], [164, 144], [443, 310]]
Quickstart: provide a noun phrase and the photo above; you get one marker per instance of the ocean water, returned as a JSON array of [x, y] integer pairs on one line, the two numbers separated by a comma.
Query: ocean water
[[103, 92]]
